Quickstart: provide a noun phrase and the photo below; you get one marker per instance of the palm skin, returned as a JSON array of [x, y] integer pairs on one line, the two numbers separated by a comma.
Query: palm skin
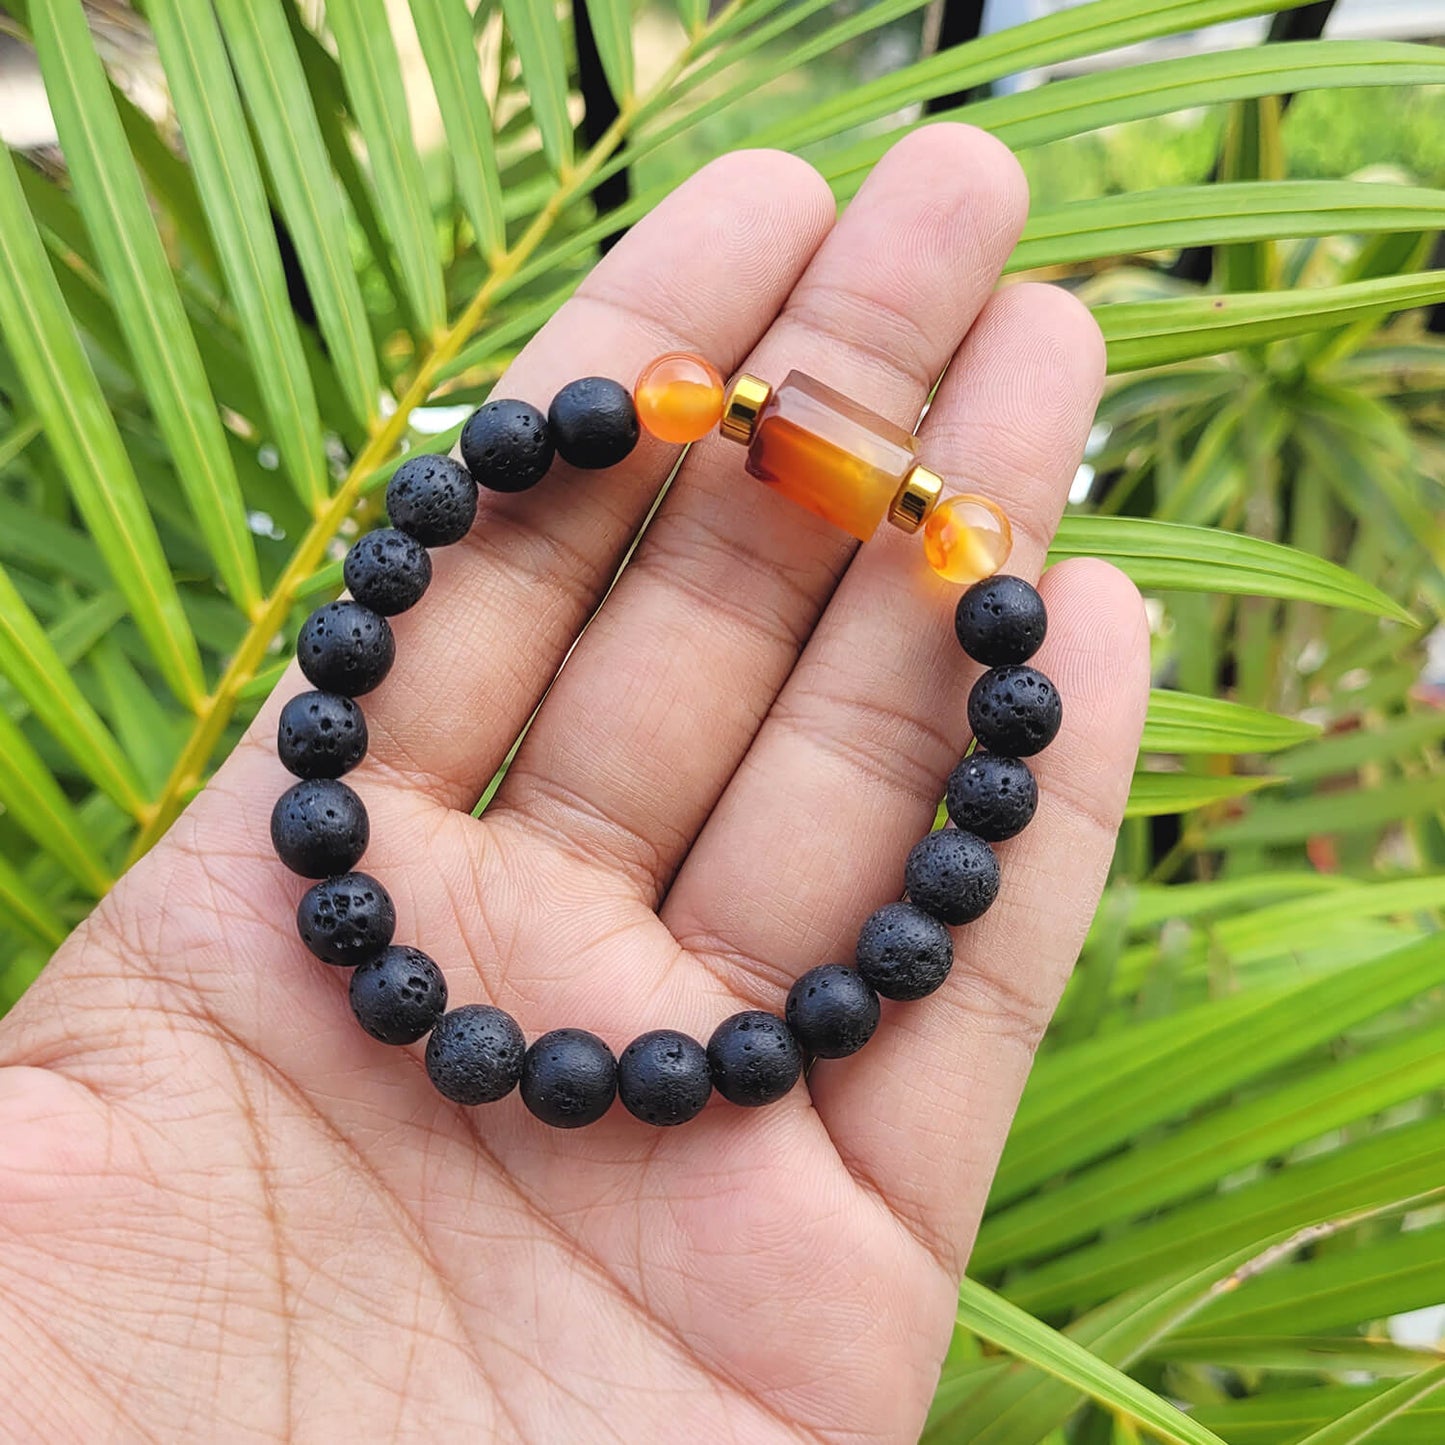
[[227, 1214]]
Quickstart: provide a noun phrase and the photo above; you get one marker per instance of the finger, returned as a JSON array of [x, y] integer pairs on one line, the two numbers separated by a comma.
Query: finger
[[847, 772], [706, 271], [923, 1112], [665, 692]]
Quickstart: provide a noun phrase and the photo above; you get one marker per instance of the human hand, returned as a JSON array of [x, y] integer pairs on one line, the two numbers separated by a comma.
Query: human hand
[[226, 1213]]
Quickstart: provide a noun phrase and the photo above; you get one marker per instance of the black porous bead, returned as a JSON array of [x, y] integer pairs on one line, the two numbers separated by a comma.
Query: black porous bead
[[474, 1054], [662, 1077], [433, 499], [992, 796], [832, 1011], [953, 875], [387, 570], [569, 1078], [1015, 711], [904, 952], [345, 647], [396, 998], [754, 1059], [319, 828], [593, 423], [348, 920], [507, 446], [1000, 620], [320, 735]]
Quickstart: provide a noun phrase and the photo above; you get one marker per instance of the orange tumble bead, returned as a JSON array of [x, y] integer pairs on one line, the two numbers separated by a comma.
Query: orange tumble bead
[[679, 397], [967, 538]]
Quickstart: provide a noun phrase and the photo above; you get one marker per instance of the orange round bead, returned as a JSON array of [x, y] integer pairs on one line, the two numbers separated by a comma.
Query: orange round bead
[[967, 538], [679, 397]]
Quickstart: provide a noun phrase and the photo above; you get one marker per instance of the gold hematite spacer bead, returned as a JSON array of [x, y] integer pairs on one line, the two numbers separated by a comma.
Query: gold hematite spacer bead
[[915, 499], [745, 399]]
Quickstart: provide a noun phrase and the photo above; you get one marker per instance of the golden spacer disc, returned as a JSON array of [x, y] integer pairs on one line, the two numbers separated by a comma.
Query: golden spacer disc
[[915, 499], [745, 399]]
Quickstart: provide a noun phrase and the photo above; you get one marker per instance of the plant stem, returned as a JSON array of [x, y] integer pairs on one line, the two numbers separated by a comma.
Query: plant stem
[[217, 709]]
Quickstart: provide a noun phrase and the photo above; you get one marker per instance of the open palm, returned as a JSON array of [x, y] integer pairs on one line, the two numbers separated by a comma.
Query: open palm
[[225, 1212]]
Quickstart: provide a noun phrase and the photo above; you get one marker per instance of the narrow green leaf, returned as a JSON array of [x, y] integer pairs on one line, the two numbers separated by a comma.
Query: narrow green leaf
[[693, 14], [1154, 333], [371, 72], [1284, 1417], [81, 432], [1365, 1421], [1225, 212], [446, 39], [1311, 1354], [1294, 820], [23, 908], [611, 22], [537, 35], [1154, 795], [147, 730], [994, 1319], [30, 661], [307, 193], [1171, 557], [1179, 722], [1347, 752], [204, 93], [14, 442], [33, 799], [148, 306]]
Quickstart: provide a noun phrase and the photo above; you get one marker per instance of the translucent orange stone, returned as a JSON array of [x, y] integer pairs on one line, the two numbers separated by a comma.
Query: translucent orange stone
[[829, 454], [967, 538], [679, 397]]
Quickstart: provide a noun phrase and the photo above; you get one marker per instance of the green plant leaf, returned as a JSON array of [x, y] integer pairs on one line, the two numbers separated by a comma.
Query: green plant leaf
[[1286, 1417], [693, 14], [308, 195], [537, 35], [371, 72], [229, 179], [1347, 752], [79, 427], [1293, 820], [1180, 722], [445, 33], [1153, 795], [993, 1318], [24, 909], [1169, 556], [612, 31], [1366, 1420]]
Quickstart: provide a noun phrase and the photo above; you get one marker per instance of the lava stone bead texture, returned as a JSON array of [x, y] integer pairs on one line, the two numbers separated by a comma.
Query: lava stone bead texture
[[320, 735], [319, 828], [387, 570], [348, 920], [832, 1011], [1000, 620], [903, 952], [569, 1078], [345, 647], [433, 499], [1015, 711], [953, 875], [753, 1058], [474, 1054], [593, 423], [396, 998], [662, 1078], [507, 446], [991, 796]]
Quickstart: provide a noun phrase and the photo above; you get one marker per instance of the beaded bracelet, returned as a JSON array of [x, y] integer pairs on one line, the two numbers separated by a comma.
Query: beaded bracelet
[[834, 457]]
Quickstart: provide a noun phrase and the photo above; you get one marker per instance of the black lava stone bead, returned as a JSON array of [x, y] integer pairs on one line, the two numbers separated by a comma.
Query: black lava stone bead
[[569, 1078], [347, 920], [832, 1011], [662, 1077], [753, 1058], [345, 647], [319, 828], [474, 1054], [1015, 711], [991, 796], [1000, 620], [321, 735], [903, 952], [953, 875], [387, 571], [399, 996], [433, 499], [507, 446], [593, 423]]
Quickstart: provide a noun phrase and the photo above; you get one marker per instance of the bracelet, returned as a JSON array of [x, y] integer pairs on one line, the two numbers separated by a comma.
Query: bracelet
[[825, 452]]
